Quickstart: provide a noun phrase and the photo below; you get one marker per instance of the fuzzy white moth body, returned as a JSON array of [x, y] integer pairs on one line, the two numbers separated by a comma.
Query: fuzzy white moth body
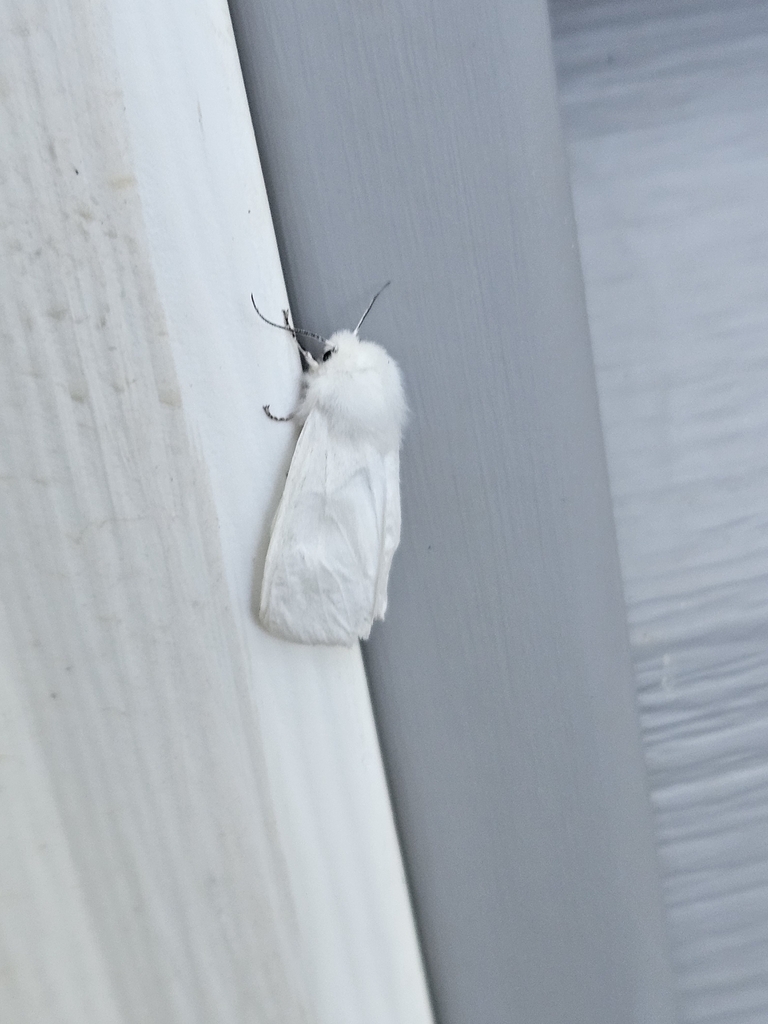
[[338, 522]]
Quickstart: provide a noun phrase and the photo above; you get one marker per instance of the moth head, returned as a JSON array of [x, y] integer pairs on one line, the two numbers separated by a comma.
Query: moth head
[[329, 351], [342, 343], [321, 358], [308, 359]]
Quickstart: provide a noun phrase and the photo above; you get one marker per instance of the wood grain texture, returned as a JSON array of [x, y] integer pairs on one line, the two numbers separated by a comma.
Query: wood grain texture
[[421, 143], [664, 105], [196, 821]]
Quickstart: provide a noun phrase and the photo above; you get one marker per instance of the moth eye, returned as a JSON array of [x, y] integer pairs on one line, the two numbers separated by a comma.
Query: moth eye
[[327, 355]]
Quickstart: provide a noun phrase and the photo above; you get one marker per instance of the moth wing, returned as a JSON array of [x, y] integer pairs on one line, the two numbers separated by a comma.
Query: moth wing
[[322, 572], [390, 534]]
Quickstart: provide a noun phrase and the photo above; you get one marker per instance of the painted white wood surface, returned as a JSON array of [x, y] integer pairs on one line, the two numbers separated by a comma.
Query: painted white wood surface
[[665, 105], [196, 826]]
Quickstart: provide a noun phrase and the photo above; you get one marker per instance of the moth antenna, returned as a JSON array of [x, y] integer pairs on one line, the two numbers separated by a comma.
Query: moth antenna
[[370, 305], [291, 330]]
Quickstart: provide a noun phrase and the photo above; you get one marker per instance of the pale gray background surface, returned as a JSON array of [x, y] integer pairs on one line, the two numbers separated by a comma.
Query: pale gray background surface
[[664, 104], [421, 143]]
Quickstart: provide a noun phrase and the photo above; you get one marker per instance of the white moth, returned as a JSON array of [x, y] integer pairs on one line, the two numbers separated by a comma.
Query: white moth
[[338, 522]]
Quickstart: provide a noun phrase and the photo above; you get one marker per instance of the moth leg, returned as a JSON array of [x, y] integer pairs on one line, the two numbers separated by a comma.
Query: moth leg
[[288, 327], [308, 361], [278, 419]]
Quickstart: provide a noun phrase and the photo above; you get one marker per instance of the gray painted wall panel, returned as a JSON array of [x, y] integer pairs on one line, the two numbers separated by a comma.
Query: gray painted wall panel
[[422, 144], [665, 109]]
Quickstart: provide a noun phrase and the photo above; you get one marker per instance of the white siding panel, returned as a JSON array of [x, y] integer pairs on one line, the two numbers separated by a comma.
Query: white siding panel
[[196, 821]]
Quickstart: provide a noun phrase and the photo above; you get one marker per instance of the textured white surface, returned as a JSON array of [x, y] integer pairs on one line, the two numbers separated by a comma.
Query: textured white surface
[[665, 109], [196, 822]]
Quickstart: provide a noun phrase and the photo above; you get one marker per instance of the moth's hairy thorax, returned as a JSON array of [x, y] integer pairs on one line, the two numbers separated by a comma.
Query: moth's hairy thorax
[[359, 390]]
